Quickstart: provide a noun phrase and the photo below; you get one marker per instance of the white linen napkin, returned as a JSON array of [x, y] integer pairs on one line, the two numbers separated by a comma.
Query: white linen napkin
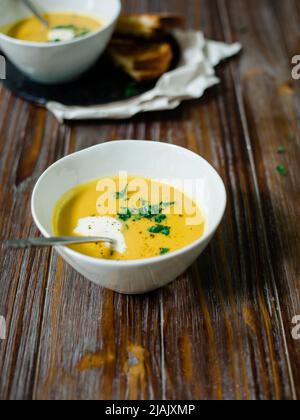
[[194, 74]]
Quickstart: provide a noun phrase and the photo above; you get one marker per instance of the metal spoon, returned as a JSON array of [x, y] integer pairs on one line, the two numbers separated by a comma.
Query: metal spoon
[[48, 242], [36, 13]]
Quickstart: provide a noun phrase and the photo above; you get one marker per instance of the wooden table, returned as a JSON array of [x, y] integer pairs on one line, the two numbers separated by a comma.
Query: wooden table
[[224, 329]]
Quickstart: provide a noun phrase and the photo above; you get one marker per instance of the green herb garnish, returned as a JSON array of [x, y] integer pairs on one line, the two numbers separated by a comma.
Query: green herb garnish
[[166, 203], [126, 215], [281, 150], [73, 27], [164, 251], [156, 229], [78, 32], [131, 90], [122, 194], [164, 230], [244, 29], [155, 211], [136, 217], [148, 211], [83, 32], [281, 169], [160, 218]]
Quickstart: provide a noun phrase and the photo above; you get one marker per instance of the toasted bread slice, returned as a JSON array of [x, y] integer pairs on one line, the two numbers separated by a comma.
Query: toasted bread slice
[[147, 25], [141, 60]]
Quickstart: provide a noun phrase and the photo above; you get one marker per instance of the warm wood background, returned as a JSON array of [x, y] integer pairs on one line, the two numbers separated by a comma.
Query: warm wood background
[[223, 330]]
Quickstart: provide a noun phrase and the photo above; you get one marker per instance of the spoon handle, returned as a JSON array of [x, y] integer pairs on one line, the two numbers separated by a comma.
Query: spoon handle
[[48, 242], [37, 14]]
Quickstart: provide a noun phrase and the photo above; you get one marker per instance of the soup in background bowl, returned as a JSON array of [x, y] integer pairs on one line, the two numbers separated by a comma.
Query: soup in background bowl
[[62, 27], [57, 62], [146, 159]]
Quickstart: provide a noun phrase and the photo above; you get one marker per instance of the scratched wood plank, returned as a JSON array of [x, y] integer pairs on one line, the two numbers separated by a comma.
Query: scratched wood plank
[[113, 348], [240, 298], [29, 142], [271, 105], [237, 367], [118, 354], [219, 331]]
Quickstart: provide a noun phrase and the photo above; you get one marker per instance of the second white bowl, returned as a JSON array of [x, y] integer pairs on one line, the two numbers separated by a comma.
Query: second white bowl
[[65, 61]]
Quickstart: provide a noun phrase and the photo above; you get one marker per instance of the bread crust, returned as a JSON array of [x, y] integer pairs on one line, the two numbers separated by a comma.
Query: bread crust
[[139, 44], [147, 25]]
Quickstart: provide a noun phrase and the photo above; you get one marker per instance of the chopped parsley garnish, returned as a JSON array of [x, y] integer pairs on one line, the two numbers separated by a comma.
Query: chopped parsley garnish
[[281, 150], [164, 230], [136, 217], [125, 216], [73, 27], [78, 32], [281, 169], [83, 32], [148, 211], [156, 229], [166, 203], [164, 251], [160, 218], [131, 90], [243, 29], [122, 194]]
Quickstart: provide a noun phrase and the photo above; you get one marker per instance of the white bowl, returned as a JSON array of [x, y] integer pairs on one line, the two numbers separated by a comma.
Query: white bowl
[[150, 160], [51, 63]]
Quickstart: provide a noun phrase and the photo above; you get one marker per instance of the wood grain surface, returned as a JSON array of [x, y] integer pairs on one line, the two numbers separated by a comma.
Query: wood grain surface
[[222, 330]]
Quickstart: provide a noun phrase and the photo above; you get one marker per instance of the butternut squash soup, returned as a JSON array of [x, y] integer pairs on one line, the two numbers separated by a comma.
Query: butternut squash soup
[[144, 217], [62, 27]]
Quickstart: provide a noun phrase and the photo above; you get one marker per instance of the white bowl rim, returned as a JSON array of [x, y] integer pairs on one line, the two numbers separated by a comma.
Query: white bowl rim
[[135, 262], [63, 43]]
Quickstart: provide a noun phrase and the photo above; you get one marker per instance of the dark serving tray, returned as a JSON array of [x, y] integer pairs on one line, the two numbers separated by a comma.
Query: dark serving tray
[[102, 84]]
